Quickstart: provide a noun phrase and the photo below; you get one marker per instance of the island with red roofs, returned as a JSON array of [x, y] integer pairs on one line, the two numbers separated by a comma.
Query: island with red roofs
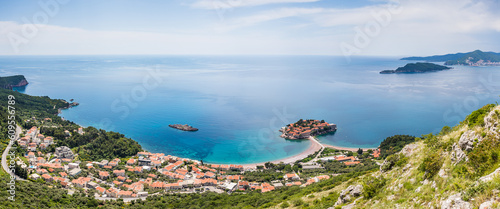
[[304, 129]]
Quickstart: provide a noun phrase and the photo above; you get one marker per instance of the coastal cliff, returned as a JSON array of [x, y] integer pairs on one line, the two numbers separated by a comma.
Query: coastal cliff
[[9, 82]]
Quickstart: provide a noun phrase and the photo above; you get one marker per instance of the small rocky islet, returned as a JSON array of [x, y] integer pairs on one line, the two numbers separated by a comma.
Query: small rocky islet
[[184, 127]]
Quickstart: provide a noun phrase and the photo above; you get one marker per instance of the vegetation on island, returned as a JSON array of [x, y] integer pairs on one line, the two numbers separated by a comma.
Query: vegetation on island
[[419, 67]]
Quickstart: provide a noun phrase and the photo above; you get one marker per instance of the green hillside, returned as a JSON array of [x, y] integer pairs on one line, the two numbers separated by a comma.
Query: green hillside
[[455, 169]]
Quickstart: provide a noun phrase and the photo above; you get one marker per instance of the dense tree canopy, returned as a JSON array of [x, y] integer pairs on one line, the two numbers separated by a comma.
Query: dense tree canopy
[[394, 144]]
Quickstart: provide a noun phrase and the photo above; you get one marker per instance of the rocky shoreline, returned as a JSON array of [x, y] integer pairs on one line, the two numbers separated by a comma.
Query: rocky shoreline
[[70, 105], [184, 127]]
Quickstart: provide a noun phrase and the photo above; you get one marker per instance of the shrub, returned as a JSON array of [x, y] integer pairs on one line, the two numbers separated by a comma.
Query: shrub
[[285, 205], [474, 190], [445, 130], [390, 162], [372, 186], [402, 160], [483, 157], [477, 117], [431, 165], [298, 202]]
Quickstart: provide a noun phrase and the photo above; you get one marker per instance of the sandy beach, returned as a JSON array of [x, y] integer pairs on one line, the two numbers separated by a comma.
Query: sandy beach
[[315, 146]]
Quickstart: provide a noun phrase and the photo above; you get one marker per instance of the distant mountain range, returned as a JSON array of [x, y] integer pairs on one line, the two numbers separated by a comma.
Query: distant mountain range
[[475, 58]]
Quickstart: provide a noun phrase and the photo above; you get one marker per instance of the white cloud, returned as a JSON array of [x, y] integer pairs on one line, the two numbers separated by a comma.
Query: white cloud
[[267, 16], [229, 4], [58, 40], [422, 27]]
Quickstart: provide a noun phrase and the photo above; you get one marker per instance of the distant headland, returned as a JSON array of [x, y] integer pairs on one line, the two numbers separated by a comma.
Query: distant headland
[[9, 82], [304, 129], [183, 127], [475, 58], [419, 67]]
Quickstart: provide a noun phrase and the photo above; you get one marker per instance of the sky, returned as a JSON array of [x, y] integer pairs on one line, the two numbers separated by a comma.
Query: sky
[[248, 27]]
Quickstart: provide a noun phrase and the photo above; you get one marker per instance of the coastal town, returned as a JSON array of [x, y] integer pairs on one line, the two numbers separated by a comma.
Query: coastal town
[[153, 173]]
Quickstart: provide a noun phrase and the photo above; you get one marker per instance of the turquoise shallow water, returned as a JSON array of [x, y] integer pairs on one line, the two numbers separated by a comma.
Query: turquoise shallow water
[[240, 102]]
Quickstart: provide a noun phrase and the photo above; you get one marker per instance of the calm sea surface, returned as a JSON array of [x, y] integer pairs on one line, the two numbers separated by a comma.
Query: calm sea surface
[[240, 102]]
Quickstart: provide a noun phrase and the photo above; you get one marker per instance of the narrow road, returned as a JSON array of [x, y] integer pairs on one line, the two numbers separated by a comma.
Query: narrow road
[[314, 140], [125, 199], [4, 155]]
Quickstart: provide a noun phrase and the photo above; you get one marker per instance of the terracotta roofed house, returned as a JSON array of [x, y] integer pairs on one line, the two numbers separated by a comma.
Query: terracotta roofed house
[[119, 172], [100, 190], [131, 161], [291, 176], [351, 163], [47, 177]]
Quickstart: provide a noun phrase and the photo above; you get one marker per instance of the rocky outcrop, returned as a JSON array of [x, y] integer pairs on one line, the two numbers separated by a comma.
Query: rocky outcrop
[[491, 123], [183, 127], [70, 105], [490, 176], [349, 193], [455, 202], [350, 206], [487, 204], [468, 140], [409, 149], [491, 203], [457, 154], [442, 173]]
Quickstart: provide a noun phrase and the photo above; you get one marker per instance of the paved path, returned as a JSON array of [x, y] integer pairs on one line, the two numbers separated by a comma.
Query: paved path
[[4, 155], [125, 199], [349, 149], [314, 140]]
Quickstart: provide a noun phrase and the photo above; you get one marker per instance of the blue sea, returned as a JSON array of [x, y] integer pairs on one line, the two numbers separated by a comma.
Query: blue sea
[[240, 102]]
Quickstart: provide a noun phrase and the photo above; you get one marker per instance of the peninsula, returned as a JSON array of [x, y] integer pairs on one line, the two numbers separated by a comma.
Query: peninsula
[[419, 67], [183, 127], [474, 58], [9, 82], [304, 129]]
